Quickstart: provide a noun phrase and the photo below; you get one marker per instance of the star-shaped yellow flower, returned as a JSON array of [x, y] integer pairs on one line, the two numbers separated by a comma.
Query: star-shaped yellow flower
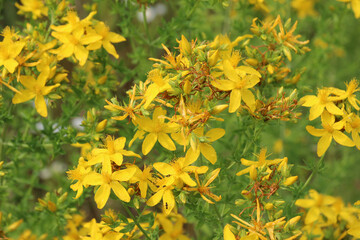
[[35, 89]]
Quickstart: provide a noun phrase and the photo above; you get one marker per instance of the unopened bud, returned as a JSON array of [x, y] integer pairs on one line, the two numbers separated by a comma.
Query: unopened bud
[[14, 225], [218, 109], [253, 172], [270, 68], [131, 191], [187, 87], [185, 47], [290, 180], [246, 194], [101, 126], [51, 206], [278, 214], [213, 59], [239, 202], [252, 61], [269, 206]]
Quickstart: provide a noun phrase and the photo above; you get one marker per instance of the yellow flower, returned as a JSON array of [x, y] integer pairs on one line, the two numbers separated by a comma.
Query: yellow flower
[[107, 38], [261, 162], [202, 144], [321, 102], [240, 80], [73, 22], [35, 89], [9, 51], [73, 44], [179, 169], [353, 126], [159, 85], [158, 131], [318, 204], [109, 181], [204, 189], [351, 88], [113, 152], [331, 130], [144, 179], [78, 174], [36, 7], [173, 226], [164, 192]]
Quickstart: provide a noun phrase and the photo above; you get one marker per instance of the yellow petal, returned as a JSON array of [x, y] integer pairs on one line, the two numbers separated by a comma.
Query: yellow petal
[[155, 199], [342, 139], [235, 100], [110, 49], [10, 64], [115, 38], [316, 111], [93, 178], [23, 96], [40, 105], [224, 85], [187, 179], [323, 144], [81, 54], [209, 152], [120, 191], [309, 101], [102, 195], [164, 168], [166, 141], [228, 235], [168, 201], [332, 108], [230, 72], [249, 98], [312, 215], [214, 134], [149, 143], [123, 175], [143, 188], [315, 132]]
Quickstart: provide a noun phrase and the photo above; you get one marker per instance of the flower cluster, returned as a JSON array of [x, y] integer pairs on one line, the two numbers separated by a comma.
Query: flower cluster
[[339, 113]]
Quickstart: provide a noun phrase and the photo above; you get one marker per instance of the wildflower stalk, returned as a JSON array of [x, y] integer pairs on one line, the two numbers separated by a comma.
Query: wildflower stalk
[[135, 221], [192, 9], [219, 216], [146, 28]]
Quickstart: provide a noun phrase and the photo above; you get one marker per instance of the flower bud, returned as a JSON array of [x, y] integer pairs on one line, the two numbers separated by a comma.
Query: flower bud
[[51, 206], [101, 125], [290, 180], [187, 87], [252, 61], [185, 47], [269, 206]]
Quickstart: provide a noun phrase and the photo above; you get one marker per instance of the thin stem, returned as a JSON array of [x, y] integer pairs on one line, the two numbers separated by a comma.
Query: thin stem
[[135, 221], [219, 216], [192, 9]]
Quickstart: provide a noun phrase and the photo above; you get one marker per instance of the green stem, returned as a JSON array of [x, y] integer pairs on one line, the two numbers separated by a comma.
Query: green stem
[[146, 26], [135, 221], [192, 9], [219, 216]]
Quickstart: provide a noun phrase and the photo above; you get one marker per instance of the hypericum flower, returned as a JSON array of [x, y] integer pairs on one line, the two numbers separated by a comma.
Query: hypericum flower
[[36, 7], [78, 174], [158, 131], [113, 152], [201, 143], [108, 181], [353, 126], [351, 89], [172, 230], [261, 162], [321, 102], [331, 130], [35, 89], [129, 110], [9, 50], [240, 80], [73, 22], [164, 192], [144, 179], [205, 189], [179, 169], [73, 43], [318, 204], [107, 38], [159, 84]]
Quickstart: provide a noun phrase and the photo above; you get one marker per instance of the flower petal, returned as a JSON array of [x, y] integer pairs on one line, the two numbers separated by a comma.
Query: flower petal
[[166, 141], [120, 191], [323, 144], [149, 143], [102, 195]]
